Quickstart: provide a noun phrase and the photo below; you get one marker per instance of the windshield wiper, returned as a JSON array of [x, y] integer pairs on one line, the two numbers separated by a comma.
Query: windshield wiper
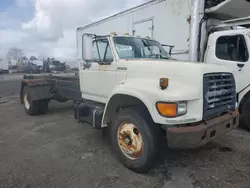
[[146, 44], [164, 58]]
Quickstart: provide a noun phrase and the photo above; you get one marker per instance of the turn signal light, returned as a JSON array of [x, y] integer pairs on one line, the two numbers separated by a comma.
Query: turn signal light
[[167, 109]]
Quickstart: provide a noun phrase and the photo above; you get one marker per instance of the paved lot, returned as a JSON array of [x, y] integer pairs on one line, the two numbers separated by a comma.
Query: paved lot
[[55, 151]]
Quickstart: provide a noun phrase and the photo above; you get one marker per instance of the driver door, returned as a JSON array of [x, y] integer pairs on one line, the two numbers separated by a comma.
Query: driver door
[[98, 79]]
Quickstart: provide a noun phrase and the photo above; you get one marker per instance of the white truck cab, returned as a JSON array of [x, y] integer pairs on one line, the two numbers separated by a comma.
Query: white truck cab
[[129, 86], [204, 31], [144, 92], [231, 48]]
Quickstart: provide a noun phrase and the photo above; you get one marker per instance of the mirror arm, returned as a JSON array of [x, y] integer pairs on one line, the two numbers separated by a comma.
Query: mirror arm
[[98, 49]]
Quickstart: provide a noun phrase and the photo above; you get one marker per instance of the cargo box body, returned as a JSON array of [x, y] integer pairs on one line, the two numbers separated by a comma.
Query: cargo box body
[[157, 19], [171, 22], [4, 66]]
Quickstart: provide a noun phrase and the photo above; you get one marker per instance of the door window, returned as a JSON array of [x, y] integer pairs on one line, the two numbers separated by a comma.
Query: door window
[[125, 51], [101, 47], [232, 48]]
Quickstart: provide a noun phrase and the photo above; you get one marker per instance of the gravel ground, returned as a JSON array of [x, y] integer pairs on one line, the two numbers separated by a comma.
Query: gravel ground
[[55, 151]]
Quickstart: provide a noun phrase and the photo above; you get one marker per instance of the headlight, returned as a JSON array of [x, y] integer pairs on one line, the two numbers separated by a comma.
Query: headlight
[[168, 109], [182, 108]]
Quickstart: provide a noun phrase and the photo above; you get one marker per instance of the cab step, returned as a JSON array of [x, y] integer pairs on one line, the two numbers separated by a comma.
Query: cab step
[[89, 112]]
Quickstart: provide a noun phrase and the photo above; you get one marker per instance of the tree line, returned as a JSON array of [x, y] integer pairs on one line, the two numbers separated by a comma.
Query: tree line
[[15, 53]]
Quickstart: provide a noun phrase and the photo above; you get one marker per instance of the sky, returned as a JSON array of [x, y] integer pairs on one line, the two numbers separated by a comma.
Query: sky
[[48, 27]]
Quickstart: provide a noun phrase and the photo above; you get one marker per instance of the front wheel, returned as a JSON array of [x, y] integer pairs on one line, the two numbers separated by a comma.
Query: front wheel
[[135, 139]]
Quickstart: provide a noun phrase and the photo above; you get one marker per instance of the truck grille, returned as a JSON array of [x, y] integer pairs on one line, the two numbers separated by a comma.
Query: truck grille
[[219, 94]]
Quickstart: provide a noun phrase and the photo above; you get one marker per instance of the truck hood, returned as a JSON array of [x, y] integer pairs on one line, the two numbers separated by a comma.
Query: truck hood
[[185, 78], [171, 68]]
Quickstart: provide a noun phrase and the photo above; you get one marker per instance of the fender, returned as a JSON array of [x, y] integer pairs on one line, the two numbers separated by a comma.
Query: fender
[[128, 92], [38, 88], [148, 92], [242, 94]]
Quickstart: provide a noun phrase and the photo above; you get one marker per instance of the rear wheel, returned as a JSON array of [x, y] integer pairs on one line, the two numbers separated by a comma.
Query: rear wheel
[[245, 114], [30, 107], [43, 106], [34, 107], [135, 139]]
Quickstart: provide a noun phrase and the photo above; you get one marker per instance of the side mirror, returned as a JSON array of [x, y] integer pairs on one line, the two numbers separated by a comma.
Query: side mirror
[[87, 47]]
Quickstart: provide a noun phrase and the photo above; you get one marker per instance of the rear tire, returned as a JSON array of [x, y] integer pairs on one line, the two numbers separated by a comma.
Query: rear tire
[[34, 107], [43, 106], [245, 114], [30, 107], [135, 131]]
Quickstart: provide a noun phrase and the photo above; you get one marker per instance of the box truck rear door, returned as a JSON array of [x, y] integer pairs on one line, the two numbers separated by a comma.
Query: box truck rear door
[[230, 9]]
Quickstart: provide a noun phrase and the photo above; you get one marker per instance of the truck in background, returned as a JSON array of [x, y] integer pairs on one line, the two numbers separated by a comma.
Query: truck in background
[[209, 31], [4, 66]]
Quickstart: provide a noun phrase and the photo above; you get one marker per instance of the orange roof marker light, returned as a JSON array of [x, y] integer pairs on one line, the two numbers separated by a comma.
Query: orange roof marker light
[[113, 33]]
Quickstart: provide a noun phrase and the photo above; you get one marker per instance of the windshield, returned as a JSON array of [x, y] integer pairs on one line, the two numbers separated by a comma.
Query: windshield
[[131, 47]]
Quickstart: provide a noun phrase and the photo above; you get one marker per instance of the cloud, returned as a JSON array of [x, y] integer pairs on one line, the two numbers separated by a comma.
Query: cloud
[[21, 3], [10, 38], [53, 17], [24, 3], [51, 29]]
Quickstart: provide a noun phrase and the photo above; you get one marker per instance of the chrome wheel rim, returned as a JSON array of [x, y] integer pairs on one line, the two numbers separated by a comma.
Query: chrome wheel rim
[[26, 102], [130, 141]]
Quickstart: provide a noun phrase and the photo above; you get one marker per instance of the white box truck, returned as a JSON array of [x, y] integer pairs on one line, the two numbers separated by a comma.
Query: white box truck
[[210, 31], [138, 99], [132, 88], [4, 66]]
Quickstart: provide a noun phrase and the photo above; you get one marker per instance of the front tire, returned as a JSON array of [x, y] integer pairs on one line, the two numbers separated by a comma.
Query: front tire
[[245, 114], [135, 139]]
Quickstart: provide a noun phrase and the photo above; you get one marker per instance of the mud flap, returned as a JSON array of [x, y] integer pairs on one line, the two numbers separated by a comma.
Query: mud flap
[[40, 92]]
